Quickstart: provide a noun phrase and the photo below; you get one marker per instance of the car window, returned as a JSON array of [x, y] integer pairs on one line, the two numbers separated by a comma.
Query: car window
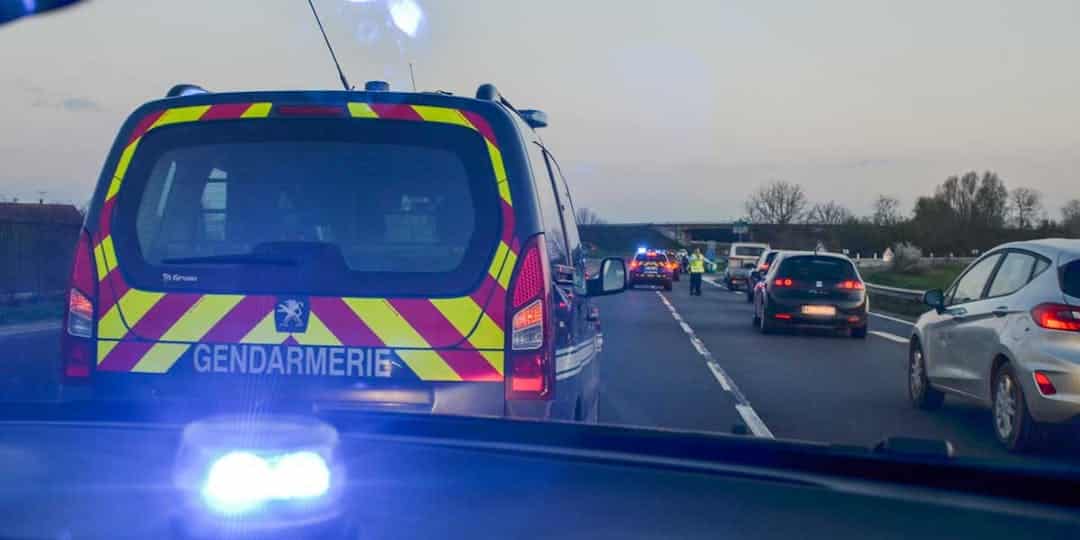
[[569, 216], [1070, 278], [1015, 272], [549, 208], [418, 199], [815, 268], [971, 285], [748, 251]]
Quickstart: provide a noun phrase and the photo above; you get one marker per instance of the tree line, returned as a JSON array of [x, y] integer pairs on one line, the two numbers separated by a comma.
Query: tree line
[[965, 213]]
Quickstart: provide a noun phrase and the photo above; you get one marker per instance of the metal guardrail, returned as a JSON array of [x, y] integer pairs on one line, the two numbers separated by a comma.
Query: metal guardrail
[[896, 292]]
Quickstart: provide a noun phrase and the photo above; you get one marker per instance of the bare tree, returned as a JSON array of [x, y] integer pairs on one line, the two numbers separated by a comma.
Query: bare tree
[[886, 211], [1070, 216], [586, 216], [778, 202], [1026, 206], [830, 213]]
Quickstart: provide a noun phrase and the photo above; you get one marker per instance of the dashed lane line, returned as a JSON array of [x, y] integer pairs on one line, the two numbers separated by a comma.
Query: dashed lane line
[[742, 405], [890, 337], [893, 319]]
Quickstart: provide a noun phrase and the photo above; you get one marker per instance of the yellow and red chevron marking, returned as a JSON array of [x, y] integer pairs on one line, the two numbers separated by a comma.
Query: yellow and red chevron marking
[[444, 339]]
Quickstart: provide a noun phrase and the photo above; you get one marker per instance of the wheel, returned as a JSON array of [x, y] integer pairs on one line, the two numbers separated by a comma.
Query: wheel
[[630, 285], [1013, 424], [859, 332], [922, 395], [667, 285]]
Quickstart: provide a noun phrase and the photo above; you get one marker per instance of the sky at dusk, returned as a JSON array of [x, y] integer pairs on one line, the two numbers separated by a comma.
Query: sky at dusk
[[659, 110]]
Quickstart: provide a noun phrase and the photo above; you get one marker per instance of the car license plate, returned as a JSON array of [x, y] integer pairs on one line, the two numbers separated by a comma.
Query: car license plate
[[819, 310]]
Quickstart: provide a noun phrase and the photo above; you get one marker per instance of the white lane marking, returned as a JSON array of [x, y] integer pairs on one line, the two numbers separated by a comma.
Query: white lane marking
[[753, 421], [29, 328], [720, 377], [742, 406], [890, 337], [711, 281], [893, 319]]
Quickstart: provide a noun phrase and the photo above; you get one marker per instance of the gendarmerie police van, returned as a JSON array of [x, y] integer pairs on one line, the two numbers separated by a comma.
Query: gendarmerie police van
[[361, 249]]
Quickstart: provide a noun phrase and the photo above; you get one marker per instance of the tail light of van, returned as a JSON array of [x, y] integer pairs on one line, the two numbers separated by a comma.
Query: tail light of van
[[1057, 317], [531, 366], [77, 346], [851, 285]]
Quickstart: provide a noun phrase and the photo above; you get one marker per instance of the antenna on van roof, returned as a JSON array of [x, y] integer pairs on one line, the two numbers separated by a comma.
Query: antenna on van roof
[[341, 74]]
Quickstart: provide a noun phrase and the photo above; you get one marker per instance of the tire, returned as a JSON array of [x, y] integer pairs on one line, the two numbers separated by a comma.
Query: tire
[[922, 395], [859, 332], [1012, 422], [667, 285]]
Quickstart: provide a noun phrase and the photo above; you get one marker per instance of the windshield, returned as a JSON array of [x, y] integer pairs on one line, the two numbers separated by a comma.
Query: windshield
[[822, 222], [747, 251]]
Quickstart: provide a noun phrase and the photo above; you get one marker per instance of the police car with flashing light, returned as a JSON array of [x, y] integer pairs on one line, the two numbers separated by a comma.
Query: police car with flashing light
[[374, 249]]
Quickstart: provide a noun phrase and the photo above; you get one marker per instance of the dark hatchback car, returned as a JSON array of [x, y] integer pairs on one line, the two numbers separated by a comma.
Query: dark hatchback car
[[817, 290]]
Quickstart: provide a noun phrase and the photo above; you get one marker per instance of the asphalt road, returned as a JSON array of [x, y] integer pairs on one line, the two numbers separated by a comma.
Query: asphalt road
[[675, 361], [807, 386]]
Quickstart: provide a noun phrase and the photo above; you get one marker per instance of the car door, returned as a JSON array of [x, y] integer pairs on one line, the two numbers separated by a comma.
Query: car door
[[582, 331], [979, 334], [952, 336]]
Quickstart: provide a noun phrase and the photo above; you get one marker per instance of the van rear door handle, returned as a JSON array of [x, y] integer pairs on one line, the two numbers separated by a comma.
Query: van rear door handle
[[1001, 311]]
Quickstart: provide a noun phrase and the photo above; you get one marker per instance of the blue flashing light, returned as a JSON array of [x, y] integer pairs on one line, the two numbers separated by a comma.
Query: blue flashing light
[[239, 481]]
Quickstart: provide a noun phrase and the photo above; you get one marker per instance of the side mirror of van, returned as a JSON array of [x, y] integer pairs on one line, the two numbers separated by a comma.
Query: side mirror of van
[[611, 278]]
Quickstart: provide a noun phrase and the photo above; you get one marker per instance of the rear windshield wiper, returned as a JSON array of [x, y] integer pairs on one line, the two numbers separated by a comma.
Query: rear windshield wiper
[[240, 258]]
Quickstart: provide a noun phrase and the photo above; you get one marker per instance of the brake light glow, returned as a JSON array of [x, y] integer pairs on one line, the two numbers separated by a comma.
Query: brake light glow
[[531, 362], [1046, 386], [634, 265], [80, 314], [783, 316], [783, 282], [528, 327], [1057, 317], [851, 285], [76, 347]]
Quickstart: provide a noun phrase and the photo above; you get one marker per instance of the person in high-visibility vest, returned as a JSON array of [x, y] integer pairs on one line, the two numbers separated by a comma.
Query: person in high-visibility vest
[[697, 269]]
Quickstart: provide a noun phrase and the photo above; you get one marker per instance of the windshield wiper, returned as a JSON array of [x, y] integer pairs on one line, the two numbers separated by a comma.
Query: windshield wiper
[[239, 258]]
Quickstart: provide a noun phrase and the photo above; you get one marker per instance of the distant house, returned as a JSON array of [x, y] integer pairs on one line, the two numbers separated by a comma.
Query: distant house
[[33, 213]]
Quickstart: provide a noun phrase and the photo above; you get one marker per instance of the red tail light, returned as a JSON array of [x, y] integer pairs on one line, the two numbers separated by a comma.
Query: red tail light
[[1046, 386], [1057, 317], [634, 265], [531, 365], [76, 347], [783, 316], [851, 285], [783, 282]]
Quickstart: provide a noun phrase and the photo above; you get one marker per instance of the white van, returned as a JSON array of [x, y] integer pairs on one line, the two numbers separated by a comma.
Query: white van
[[740, 258]]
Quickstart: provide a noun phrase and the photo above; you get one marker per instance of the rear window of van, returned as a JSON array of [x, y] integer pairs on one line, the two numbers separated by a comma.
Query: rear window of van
[[317, 206]]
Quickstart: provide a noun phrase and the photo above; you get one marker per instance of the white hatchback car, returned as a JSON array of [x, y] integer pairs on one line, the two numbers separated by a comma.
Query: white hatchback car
[[1006, 334]]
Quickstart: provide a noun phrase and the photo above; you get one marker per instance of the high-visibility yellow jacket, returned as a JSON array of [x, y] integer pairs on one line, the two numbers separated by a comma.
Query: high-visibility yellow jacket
[[697, 264]]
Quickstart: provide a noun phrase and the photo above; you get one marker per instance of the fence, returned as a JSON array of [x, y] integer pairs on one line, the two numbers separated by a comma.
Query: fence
[[36, 258]]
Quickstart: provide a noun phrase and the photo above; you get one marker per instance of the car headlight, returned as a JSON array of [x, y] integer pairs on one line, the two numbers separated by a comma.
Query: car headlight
[[237, 474]]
